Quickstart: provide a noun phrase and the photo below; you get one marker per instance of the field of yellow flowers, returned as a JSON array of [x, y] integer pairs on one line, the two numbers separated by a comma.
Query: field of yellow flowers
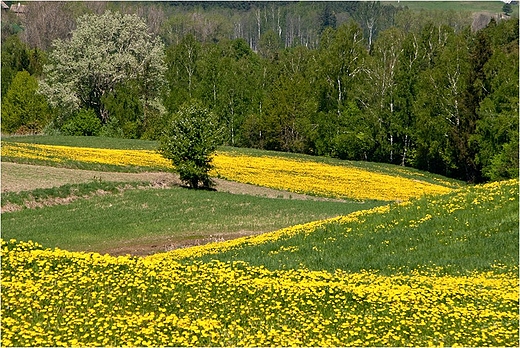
[[294, 175], [198, 297], [60, 298]]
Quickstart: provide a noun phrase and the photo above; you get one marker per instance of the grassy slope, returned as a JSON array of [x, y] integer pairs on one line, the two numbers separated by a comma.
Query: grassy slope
[[103, 222], [472, 229]]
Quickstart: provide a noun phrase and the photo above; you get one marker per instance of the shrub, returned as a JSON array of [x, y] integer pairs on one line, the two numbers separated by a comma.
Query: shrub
[[85, 122], [23, 109]]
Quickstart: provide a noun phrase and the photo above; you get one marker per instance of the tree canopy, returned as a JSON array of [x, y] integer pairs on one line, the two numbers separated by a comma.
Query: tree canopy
[[189, 141], [23, 109]]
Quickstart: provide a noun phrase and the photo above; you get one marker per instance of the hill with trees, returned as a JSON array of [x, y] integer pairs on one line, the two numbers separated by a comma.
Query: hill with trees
[[374, 81]]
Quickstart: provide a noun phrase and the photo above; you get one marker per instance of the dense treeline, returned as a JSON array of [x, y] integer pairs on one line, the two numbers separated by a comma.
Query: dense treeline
[[353, 80]]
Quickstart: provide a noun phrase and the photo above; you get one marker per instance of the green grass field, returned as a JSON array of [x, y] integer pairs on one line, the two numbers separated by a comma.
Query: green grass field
[[175, 214], [457, 6], [469, 230]]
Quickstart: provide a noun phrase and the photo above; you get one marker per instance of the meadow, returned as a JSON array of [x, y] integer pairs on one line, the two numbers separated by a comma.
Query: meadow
[[160, 216], [431, 262], [456, 6]]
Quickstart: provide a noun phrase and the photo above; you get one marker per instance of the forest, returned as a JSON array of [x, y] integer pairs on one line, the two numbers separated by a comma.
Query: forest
[[435, 89]]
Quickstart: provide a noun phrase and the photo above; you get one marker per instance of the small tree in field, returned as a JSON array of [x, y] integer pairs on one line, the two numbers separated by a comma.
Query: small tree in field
[[189, 141]]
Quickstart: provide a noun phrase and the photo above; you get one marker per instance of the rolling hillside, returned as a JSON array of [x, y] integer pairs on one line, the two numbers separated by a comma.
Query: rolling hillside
[[428, 269]]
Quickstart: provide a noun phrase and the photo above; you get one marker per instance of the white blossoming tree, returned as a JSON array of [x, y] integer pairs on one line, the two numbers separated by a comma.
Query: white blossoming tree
[[103, 53]]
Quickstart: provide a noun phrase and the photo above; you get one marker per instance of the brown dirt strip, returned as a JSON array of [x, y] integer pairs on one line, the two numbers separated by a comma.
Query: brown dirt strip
[[144, 247], [23, 177]]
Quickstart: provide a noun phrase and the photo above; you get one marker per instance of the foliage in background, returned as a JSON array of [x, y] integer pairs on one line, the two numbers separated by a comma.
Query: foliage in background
[[18, 56], [497, 126], [383, 103], [125, 107], [84, 123], [189, 142]]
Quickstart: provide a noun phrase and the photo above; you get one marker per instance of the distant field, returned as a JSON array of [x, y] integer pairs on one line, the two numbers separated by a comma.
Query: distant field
[[458, 6], [142, 157]]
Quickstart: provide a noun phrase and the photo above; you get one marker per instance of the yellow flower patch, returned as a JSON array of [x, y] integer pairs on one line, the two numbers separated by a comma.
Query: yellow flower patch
[[275, 172], [321, 179], [55, 153]]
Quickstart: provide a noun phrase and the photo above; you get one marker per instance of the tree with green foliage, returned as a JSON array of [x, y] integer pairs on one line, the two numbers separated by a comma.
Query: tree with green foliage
[[442, 125], [229, 84], [507, 8], [380, 98], [103, 52], [289, 104], [327, 18], [126, 111], [23, 109], [339, 66], [17, 56], [497, 131], [189, 141], [269, 46], [182, 74], [339, 71]]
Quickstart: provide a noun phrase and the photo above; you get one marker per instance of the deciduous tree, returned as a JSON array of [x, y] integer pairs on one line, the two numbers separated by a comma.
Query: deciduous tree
[[103, 51], [190, 141], [23, 109]]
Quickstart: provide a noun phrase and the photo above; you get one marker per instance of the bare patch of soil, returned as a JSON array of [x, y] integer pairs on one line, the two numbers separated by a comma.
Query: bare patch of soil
[[144, 247], [24, 177]]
